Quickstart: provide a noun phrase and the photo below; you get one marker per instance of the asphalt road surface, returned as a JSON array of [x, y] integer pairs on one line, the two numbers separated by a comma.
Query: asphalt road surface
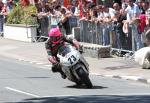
[[21, 82]]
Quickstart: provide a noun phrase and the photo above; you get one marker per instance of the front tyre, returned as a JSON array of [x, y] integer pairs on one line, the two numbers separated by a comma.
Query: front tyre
[[84, 78]]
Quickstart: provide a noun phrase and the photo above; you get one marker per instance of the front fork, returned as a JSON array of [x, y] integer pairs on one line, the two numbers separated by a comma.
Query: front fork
[[77, 67], [82, 59]]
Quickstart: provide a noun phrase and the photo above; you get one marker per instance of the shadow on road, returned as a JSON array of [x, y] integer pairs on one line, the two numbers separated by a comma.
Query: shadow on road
[[91, 99], [37, 77], [84, 87]]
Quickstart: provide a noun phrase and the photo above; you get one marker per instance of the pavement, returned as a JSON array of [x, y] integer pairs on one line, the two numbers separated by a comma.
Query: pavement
[[113, 67]]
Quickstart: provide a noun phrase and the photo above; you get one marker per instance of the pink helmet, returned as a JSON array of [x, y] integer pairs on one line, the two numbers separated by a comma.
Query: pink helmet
[[55, 35]]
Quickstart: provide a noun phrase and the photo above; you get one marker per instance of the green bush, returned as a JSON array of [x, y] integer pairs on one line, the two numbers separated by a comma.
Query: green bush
[[22, 15]]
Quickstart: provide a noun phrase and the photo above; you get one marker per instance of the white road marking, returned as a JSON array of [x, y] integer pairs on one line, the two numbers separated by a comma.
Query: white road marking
[[22, 92], [20, 59], [33, 62], [48, 65], [40, 63], [37, 96]]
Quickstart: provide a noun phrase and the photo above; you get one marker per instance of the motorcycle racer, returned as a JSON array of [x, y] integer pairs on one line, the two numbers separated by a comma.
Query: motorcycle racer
[[55, 41]]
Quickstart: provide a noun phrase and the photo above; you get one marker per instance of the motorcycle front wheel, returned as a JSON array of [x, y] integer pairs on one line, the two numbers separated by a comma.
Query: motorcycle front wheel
[[84, 78]]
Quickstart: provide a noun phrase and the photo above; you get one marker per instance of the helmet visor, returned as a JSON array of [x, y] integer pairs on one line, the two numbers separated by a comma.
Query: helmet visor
[[55, 38]]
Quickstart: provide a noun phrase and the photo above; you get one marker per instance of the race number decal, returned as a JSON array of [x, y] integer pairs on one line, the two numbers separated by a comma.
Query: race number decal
[[72, 59]]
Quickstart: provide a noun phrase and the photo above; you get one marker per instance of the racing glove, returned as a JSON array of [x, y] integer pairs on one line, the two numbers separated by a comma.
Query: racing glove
[[52, 59], [76, 43]]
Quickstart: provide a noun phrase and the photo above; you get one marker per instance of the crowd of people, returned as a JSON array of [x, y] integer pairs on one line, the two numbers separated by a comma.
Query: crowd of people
[[120, 18]]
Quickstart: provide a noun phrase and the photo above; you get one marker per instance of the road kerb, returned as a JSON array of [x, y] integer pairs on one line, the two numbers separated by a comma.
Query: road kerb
[[133, 78]]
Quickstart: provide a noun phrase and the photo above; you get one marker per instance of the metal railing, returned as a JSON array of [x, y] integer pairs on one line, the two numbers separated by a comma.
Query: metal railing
[[105, 34]]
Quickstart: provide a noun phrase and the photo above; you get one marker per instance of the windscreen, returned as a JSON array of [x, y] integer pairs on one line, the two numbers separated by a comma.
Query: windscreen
[[64, 50]]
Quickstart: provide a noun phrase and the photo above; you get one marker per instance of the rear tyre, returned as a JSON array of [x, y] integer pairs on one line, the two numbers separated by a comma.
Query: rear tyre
[[84, 78], [78, 83]]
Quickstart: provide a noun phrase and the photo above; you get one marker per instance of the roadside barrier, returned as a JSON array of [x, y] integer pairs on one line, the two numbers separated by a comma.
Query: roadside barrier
[[107, 34]]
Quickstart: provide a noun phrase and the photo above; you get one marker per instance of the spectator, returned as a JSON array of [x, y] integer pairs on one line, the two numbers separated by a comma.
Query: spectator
[[66, 3], [55, 3], [54, 18], [43, 12], [92, 12], [147, 17], [76, 8], [25, 2], [1, 18], [115, 17], [146, 7], [65, 21], [124, 4], [11, 4], [148, 20], [51, 11], [118, 1], [69, 8], [133, 12], [139, 3], [4, 13], [42, 8], [120, 36], [116, 7], [57, 9], [85, 16], [107, 21], [142, 17], [100, 13], [5, 9]]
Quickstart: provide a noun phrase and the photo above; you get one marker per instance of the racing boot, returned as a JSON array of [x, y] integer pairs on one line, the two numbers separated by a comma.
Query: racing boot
[[54, 69], [57, 68], [63, 75]]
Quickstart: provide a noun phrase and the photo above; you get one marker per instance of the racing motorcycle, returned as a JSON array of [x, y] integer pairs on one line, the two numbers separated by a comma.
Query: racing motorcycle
[[74, 65]]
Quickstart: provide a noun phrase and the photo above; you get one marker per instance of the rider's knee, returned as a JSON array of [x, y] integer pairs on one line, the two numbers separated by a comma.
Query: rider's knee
[[56, 68]]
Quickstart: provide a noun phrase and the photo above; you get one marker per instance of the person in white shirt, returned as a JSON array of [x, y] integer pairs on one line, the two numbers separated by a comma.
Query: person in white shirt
[[100, 13], [132, 10], [76, 8], [106, 27], [133, 13]]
